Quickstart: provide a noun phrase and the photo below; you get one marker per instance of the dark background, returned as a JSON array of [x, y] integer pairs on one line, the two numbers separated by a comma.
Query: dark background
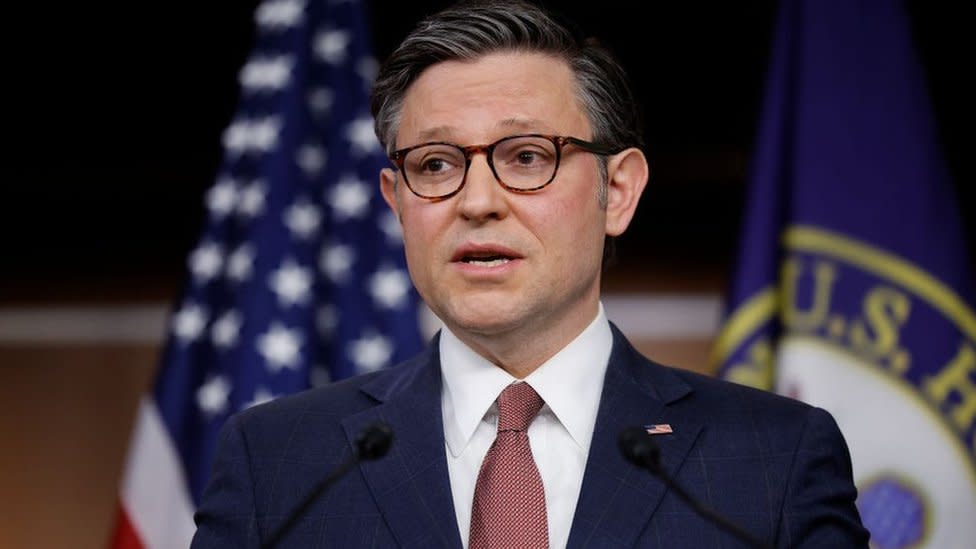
[[117, 133]]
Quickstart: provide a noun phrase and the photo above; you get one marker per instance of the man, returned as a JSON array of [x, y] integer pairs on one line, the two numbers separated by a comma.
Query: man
[[517, 155]]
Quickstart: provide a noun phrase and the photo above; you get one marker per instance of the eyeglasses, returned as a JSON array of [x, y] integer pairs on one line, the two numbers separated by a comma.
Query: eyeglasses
[[520, 163]]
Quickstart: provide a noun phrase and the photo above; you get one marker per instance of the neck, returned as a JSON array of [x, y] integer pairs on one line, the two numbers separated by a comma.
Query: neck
[[521, 350]]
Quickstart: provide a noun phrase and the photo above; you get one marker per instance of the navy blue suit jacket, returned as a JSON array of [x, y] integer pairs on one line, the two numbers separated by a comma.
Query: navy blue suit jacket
[[777, 467]]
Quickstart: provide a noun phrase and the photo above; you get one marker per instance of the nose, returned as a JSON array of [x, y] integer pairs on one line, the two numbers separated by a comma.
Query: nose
[[482, 198]]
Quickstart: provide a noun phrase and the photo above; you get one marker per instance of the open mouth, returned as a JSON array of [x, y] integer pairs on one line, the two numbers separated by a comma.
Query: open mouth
[[484, 256], [486, 261]]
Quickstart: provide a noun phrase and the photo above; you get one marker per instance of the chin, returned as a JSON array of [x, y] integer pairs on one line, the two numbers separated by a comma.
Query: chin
[[481, 318]]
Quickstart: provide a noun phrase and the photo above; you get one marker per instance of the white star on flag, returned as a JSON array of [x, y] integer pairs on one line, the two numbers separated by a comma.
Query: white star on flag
[[370, 353], [361, 136], [330, 46], [389, 287], [188, 323], [276, 15], [266, 74], [222, 197], [303, 218], [349, 198], [319, 376], [225, 329], [252, 136], [336, 262], [367, 68], [280, 347], [390, 226], [212, 395], [320, 101], [240, 263], [206, 261], [311, 159], [326, 319], [291, 282], [251, 200], [261, 395]]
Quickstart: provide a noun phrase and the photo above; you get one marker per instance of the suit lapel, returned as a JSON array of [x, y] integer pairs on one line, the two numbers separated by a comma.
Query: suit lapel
[[617, 499], [410, 484]]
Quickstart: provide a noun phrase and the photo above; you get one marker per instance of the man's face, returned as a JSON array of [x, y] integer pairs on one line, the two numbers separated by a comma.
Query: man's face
[[488, 262]]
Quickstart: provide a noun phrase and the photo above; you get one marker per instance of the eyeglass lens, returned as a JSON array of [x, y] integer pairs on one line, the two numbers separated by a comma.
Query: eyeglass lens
[[524, 162]]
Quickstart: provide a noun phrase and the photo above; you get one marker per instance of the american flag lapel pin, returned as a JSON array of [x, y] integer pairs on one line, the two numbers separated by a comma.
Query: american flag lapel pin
[[658, 429]]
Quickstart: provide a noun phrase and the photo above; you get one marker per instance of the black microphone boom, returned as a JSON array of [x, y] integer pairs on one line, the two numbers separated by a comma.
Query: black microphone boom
[[372, 443], [640, 449]]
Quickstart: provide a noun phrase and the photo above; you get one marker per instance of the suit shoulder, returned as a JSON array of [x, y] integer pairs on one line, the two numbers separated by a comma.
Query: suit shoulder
[[706, 392], [717, 385], [733, 400]]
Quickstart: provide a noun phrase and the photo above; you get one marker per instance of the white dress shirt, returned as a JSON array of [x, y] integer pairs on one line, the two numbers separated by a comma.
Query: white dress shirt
[[570, 383]]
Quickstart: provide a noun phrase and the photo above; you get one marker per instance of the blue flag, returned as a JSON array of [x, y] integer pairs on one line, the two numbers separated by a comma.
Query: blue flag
[[299, 277], [853, 288]]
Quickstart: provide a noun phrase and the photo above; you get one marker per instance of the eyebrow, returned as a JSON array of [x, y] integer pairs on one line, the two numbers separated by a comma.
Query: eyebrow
[[531, 125]]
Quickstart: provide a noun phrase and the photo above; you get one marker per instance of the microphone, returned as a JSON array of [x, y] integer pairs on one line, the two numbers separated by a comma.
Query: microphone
[[640, 449], [372, 443]]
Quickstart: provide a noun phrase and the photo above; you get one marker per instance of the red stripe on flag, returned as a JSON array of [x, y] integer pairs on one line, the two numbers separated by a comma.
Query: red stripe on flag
[[125, 536]]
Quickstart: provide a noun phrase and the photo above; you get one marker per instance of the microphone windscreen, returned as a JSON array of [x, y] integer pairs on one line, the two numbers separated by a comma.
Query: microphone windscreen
[[639, 448], [374, 441]]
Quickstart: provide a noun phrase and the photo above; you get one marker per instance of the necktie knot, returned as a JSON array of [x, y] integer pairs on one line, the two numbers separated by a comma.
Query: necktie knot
[[517, 406]]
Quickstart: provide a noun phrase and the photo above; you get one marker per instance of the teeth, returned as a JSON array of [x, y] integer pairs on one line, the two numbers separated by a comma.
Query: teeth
[[488, 262]]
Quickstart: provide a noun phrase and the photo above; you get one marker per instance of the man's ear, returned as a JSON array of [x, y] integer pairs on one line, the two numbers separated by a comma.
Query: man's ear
[[388, 185], [627, 174]]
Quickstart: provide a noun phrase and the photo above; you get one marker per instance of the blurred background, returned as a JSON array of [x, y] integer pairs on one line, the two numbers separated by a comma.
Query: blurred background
[[117, 136]]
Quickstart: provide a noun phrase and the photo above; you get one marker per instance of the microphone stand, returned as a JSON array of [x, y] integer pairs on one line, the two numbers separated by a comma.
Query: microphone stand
[[640, 449], [372, 443]]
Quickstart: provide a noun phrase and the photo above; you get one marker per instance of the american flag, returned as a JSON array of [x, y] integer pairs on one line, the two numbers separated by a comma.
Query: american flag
[[298, 278], [658, 429]]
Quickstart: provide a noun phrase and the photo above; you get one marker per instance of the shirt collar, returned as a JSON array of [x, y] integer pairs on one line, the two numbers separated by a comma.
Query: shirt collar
[[570, 383]]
